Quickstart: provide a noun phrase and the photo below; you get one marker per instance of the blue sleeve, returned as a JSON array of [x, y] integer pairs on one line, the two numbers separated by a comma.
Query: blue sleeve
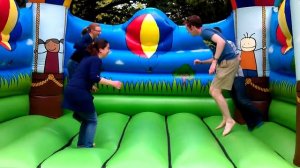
[[94, 75], [83, 42], [207, 34]]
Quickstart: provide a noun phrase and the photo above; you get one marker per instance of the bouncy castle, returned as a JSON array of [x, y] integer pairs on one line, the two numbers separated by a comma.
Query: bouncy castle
[[163, 116]]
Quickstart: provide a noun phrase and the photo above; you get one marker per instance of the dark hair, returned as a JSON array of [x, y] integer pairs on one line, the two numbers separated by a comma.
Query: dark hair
[[218, 29], [54, 40], [193, 20], [89, 28], [94, 47]]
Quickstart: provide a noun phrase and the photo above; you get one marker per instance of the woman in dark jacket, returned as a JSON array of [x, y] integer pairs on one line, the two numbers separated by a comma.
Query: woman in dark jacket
[[89, 34], [78, 96]]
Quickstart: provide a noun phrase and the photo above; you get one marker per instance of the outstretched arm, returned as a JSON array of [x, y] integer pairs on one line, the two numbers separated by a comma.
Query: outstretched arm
[[198, 61], [95, 78], [116, 84], [261, 48]]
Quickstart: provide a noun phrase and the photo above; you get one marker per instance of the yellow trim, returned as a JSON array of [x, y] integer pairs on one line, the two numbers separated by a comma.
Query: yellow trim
[[49, 78], [249, 82], [4, 41], [5, 37], [10, 24], [149, 39], [284, 26], [67, 3]]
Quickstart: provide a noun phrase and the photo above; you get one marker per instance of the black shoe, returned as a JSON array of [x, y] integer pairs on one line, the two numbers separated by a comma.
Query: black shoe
[[259, 124], [256, 125]]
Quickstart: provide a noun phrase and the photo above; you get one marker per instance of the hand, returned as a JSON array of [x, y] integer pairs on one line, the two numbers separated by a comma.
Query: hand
[[212, 67], [94, 88], [197, 61], [117, 84]]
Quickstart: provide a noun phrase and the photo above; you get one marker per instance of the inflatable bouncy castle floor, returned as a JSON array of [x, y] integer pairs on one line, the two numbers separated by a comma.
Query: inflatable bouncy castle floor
[[163, 116]]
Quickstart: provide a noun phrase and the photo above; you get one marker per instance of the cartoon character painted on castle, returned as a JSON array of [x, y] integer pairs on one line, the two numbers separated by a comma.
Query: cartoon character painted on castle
[[248, 60], [52, 47]]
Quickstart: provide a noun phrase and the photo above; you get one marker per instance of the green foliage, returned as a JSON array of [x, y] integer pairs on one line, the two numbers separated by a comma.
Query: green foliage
[[119, 11]]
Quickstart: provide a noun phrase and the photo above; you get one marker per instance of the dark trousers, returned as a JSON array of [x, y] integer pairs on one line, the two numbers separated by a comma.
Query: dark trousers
[[251, 114]]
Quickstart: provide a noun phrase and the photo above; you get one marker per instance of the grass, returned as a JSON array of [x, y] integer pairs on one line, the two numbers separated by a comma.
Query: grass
[[15, 85], [283, 90], [195, 88]]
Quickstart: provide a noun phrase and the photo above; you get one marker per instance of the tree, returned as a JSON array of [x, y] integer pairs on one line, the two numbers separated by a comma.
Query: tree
[[21, 3], [119, 11], [105, 11]]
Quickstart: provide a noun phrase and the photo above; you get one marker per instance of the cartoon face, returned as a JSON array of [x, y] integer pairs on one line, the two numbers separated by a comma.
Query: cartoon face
[[248, 43], [52, 45]]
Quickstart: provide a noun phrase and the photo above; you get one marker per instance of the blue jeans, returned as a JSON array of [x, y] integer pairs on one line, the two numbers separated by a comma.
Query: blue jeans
[[87, 129], [250, 73], [251, 114], [72, 65]]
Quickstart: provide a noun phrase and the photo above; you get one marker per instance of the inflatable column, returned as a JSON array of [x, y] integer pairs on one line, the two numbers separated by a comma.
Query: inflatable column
[[251, 22], [295, 13], [47, 76]]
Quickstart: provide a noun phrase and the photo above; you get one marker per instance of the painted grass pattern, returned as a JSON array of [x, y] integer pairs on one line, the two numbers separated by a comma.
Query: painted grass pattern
[[283, 90], [19, 84], [195, 88]]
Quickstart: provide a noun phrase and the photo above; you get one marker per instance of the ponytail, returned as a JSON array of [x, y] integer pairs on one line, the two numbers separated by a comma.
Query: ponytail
[[89, 28], [85, 31]]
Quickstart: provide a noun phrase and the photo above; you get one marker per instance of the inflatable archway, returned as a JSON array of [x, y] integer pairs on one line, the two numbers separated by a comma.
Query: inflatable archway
[[296, 27], [163, 116]]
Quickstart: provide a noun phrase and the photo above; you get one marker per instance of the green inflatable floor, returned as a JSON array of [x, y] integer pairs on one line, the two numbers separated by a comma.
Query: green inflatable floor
[[151, 140]]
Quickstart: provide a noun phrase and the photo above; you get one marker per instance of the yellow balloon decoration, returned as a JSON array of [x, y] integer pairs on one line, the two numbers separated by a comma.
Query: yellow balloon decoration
[[8, 19]]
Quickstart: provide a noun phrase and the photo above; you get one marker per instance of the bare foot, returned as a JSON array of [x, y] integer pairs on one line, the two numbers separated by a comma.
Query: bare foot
[[228, 127], [221, 125]]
